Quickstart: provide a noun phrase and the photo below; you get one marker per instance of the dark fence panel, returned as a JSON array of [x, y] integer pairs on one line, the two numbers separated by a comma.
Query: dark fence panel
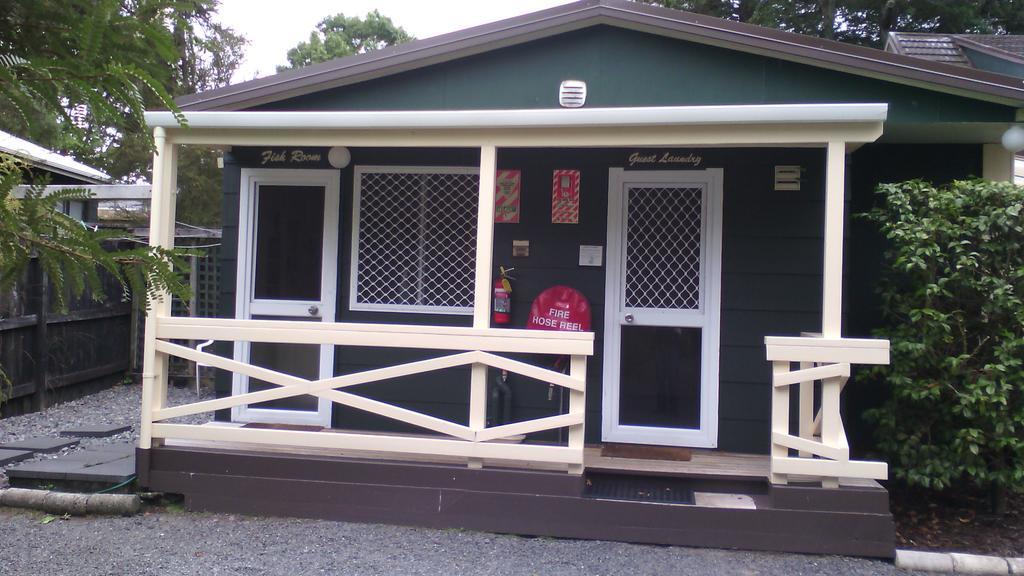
[[49, 355]]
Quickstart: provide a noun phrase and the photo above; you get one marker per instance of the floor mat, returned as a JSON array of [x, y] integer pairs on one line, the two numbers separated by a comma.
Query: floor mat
[[638, 489]]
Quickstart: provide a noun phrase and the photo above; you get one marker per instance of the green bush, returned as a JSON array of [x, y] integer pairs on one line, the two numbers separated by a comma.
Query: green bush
[[951, 293]]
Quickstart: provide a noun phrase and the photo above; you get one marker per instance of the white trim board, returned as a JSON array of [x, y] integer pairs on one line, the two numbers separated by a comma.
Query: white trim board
[[529, 118], [707, 317], [246, 306]]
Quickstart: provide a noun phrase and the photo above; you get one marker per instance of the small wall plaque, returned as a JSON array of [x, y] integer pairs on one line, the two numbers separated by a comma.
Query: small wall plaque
[[590, 255], [520, 248]]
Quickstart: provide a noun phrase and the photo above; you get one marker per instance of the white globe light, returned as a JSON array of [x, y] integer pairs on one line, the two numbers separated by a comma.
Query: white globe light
[[1013, 139], [339, 156]]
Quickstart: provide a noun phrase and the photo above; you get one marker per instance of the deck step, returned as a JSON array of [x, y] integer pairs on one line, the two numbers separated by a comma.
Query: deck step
[[658, 490]]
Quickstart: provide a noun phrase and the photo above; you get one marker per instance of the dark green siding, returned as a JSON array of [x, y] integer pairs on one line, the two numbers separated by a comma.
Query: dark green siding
[[771, 281], [871, 165], [627, 68]]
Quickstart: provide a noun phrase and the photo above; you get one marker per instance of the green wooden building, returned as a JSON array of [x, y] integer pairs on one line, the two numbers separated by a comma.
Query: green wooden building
[[673, 189]]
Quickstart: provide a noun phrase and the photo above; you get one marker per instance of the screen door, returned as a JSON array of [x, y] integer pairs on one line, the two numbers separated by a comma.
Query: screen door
[[287, 270], [662, 311]]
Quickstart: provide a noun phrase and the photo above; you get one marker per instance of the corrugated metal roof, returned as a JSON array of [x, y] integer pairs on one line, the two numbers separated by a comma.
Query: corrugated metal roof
[[47, 159]]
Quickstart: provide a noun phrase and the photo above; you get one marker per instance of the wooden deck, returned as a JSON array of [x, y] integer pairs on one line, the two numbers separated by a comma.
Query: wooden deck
[[710, 464], [706, 463]]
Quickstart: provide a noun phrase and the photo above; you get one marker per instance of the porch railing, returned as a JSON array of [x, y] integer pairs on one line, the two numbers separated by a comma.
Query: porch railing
[[821, 451], [474, 441]]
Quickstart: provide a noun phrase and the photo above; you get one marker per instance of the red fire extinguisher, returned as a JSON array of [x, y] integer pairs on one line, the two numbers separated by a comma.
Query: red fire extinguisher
[[502, 306]]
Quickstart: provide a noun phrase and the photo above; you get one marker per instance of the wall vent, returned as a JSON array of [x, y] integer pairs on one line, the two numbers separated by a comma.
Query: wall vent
[[572, 94], [787, 178]]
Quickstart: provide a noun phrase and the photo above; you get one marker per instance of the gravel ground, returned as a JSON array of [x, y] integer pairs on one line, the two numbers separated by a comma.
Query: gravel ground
[[179, 543], [117, 406], [168, 541]]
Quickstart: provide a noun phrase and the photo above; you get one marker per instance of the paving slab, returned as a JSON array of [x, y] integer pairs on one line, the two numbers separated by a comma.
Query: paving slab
[[113, 472], [56, 469], [42, 444], [94, 430], [12, 456], [92, 458], [114, 464]]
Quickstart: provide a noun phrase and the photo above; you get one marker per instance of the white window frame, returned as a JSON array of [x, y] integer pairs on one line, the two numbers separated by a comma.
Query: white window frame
[[358, 172]]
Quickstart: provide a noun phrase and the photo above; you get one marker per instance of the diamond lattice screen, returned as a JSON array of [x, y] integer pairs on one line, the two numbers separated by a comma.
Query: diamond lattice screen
[[417, 239], [663, 248]]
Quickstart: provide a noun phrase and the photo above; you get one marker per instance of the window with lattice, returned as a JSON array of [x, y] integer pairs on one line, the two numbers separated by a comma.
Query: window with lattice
[[414, 239]]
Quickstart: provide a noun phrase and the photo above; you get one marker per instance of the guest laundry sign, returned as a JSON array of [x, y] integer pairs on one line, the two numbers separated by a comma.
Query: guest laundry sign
[[507, 187], [655, 157], [565, 197]]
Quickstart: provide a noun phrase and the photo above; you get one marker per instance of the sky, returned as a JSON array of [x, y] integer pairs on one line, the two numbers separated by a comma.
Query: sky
[[274, 26]]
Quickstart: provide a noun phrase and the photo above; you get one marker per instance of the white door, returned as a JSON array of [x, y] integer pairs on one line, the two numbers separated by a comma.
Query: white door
[[662, 307], [287, 270]]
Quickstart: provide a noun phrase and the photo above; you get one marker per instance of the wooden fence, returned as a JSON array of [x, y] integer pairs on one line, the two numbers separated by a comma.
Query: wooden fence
[[49, 355]]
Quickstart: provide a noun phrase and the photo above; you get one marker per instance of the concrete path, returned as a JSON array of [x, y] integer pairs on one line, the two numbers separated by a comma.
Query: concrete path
[[182, 543]]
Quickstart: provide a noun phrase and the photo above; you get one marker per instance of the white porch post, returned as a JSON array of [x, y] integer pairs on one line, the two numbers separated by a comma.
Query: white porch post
[[483, 286], [161, 233], [484, 237], [832, 272], [997, 163]]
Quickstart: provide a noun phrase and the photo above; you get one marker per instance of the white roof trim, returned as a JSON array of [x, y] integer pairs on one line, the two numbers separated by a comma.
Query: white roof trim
[[543, 118], [42, 157]]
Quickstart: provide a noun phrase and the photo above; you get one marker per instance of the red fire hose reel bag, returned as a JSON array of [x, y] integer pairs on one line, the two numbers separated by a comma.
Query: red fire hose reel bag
[[560, 308]]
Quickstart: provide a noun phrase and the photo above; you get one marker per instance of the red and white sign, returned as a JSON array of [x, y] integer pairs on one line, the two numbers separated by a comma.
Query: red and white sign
[[565, 197], [507, 185], [560, 308]]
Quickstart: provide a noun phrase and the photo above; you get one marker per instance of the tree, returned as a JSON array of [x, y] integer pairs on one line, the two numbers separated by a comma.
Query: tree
[[953, 302], [864, 21], [339, 35], [204, 54], [111, 57]]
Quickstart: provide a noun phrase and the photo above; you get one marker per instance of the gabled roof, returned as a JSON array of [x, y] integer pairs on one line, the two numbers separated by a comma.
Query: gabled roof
[[46, 159], [625, 14], [948, 48]]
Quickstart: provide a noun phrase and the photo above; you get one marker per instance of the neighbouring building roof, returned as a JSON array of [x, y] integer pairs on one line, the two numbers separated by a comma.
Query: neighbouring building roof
[[957, 49], [864, 61], [49, 160]]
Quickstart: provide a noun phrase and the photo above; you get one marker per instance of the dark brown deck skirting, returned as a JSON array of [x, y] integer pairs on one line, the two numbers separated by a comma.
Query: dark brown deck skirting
[[507, 501]]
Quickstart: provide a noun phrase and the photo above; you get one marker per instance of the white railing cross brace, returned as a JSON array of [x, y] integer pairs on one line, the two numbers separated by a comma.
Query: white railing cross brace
[[823, 453], [289, 386]]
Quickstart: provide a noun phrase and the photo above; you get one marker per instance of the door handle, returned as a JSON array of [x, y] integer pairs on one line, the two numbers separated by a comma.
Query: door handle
[[629, 318], [314, 310]]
